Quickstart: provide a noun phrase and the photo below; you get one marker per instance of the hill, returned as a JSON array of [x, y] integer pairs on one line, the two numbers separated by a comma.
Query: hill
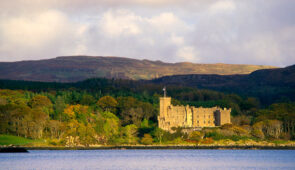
[[78, 68], [265, 77], [268, 84]]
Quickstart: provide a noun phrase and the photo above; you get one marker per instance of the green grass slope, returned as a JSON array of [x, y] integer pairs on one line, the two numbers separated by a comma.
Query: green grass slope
[[16, 140]]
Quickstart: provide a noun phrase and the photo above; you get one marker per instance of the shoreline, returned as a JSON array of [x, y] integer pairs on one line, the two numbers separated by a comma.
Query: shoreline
[[159, 147]]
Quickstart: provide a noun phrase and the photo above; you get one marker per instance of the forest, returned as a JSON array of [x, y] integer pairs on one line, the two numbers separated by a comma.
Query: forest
[[124, 112]]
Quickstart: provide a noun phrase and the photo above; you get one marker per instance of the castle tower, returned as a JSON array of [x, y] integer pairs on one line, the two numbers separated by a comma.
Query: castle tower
[[222, 116], [225, 116], [165, 102]]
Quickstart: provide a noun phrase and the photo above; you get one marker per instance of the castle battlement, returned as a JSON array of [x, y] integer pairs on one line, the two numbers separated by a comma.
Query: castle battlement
[[189, 116]]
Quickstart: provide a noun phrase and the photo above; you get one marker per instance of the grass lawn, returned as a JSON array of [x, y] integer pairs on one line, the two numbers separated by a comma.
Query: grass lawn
[[16, 140]]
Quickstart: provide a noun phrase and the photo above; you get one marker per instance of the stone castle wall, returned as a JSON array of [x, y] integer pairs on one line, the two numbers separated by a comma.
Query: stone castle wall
[[190, 117]]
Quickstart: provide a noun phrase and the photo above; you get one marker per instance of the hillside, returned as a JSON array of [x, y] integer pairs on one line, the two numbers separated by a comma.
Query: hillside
[[268, 84], [78, 68], [265, 77]]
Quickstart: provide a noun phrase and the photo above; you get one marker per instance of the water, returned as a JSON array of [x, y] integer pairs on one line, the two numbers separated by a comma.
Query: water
[[149, 159]]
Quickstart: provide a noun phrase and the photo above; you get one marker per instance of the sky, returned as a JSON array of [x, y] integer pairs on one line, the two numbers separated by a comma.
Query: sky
[[258, 32]]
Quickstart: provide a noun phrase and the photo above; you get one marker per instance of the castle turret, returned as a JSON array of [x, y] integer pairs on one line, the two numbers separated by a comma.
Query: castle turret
[[225, 116], [165, 102], [222, 116]]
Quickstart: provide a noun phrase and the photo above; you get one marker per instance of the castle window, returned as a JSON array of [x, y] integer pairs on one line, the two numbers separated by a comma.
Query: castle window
[[209, 122], [204, 122], [209, 116], [197, 121]]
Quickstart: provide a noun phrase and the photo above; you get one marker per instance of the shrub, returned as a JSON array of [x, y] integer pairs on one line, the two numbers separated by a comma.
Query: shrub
[[285, 136], [147, 139], [195, 136], [214, 135], [241, 120], [237, 138], [240, 131], [226, 126], [207, 141], [53, 142], [258, 133], [226, 132]]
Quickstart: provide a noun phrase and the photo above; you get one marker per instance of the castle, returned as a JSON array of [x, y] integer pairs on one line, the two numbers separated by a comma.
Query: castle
[[190, 117]]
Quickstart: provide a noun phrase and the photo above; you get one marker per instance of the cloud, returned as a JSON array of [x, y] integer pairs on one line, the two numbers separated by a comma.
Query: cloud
[[168, 21], [124, 22], [187, 53], [37, 36], [128, 34], [259, 49], [116, 23], [178, 40], [211, 31], [222, 6], [33, 31], [105, 3]]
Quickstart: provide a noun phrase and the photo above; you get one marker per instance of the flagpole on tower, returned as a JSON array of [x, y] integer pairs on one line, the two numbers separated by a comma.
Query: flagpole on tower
[[164, 89]]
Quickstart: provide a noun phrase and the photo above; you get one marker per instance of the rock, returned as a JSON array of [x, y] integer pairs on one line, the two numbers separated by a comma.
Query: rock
[[12, 149]]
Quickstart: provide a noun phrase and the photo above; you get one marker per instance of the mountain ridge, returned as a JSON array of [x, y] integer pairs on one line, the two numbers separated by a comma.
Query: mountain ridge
[[78, 68]]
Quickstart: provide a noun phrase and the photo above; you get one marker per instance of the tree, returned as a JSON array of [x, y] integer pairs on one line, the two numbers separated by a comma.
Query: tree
[[130, 134], [40, 101], [19, 119], [3, 101], [13, 97], [86, 134], [148, 110], [108, 103], [78, 112], [273, 128], [144, 124], [284, 112], [69, 111], [147, 139], [250, 105], [132, 116], [87, 100], [39, 118], [267, 128], [56, 128], [110, 125], [257, 130], [72, 128], [158, 133], [59, 108], [241, 120]]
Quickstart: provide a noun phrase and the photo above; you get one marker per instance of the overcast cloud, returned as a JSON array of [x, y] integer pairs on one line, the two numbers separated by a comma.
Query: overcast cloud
[[200, 31]]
